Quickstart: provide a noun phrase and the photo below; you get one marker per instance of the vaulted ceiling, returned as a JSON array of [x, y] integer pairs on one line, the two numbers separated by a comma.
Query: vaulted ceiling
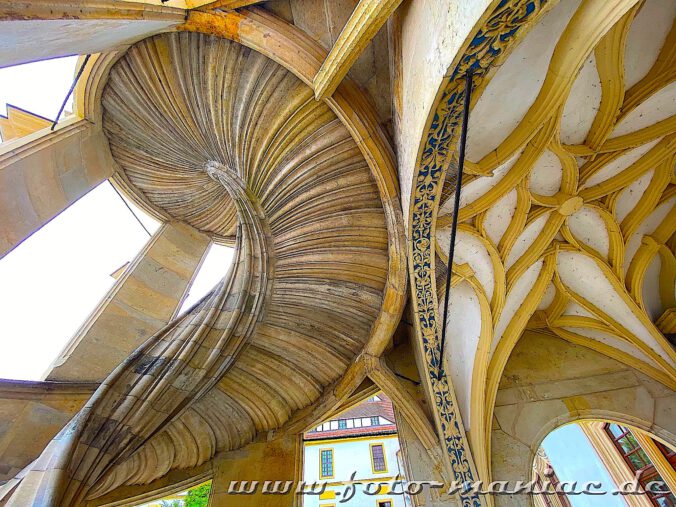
[[567, 210]]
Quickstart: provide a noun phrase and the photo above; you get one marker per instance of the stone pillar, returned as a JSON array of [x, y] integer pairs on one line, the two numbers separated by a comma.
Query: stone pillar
[[661, 463], [275, 460], [419, 466], [142, 301], [43, 173]]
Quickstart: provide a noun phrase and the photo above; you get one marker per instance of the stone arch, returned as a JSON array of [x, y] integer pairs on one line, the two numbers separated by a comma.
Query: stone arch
[[549, 382]]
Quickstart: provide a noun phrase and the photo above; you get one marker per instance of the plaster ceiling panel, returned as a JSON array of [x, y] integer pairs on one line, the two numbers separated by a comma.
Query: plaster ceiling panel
[[651, 289], [465, 320], [478, 187], [631, 195], [526, 238], [582, 104], [618, 165], [547, 297], [646, 37], [659, 107], [572, 308], [648, 226], [588, 227], [583, 276], [469, 249], [515, 299], [613, 341], [499, 216], [545, 178], [516, 84]]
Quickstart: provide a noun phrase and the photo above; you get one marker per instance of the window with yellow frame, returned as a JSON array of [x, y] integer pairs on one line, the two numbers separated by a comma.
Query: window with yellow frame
[[387, 502], [378, 460], [326, 464]]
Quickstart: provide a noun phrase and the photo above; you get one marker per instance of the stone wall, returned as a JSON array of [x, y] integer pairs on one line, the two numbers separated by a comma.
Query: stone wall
[[428, 34], [549, 382]]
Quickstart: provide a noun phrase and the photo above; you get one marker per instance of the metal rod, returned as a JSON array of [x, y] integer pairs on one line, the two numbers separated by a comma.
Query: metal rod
[[129, 208], [456, 210], [72, 87], [407, 378]]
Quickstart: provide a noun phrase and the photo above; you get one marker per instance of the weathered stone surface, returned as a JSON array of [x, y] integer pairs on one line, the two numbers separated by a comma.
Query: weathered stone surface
[[31, 414], [43, 173], [142, 301]]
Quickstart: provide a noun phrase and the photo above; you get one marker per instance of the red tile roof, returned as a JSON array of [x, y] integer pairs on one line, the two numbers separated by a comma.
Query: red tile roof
[[368, 409], [385, 429]]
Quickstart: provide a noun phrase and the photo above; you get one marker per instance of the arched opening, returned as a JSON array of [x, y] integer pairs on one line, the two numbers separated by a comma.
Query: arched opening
[[604, 463]]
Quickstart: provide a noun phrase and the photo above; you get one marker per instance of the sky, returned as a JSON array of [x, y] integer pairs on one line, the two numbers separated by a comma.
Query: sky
[[51, 282], [211, 271], [38, 87], [574, 459]]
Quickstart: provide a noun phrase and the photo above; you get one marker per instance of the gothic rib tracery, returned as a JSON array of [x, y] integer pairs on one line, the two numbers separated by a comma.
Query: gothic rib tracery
[[567, 213]]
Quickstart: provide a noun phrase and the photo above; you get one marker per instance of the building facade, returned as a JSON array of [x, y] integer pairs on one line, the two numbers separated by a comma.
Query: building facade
[[359, 450]]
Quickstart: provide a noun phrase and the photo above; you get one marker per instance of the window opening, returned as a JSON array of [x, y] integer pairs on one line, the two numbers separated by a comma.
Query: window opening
[[62, 271]]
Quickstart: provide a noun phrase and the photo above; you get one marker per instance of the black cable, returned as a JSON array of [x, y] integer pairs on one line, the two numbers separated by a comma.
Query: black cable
[[407, 378], [72, 87], [456, 210], [129, 208]]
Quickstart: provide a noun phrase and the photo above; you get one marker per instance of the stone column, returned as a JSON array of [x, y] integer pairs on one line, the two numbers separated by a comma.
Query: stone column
[[661, 463], [142, 301], [43, 173], [261, 461]]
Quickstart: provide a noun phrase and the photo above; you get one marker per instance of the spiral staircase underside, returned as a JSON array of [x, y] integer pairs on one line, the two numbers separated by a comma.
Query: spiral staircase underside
[[209, 132], [166, 118]]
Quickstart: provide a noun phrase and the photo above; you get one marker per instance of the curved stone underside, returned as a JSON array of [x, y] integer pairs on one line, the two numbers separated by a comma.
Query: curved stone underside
[[219, 136], [567, 214], [174, 102]]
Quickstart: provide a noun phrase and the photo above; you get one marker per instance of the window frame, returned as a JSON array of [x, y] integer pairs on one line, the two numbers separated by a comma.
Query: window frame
[[648, 472], [321, 463], [381, 501], [373, 463]]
